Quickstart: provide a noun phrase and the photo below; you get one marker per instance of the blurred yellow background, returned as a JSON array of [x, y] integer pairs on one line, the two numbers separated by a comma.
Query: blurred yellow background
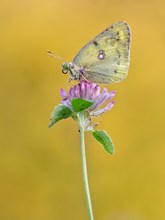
[[40, 168]]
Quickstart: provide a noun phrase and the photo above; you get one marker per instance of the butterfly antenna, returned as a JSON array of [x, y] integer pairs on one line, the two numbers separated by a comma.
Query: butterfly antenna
[[55, 56]]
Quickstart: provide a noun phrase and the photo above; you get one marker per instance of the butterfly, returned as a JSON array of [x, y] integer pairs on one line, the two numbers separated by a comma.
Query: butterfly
[[105, 59]]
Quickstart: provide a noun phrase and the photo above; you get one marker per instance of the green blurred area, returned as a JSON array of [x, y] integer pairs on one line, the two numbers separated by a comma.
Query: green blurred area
[[40, 168]]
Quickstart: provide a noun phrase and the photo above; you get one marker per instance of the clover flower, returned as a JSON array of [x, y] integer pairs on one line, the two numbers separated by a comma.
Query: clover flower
[[90, 92], [86, 101], [83, 102]]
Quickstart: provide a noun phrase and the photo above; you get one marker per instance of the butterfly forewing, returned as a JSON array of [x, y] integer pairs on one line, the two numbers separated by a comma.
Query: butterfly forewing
[[105, 59]]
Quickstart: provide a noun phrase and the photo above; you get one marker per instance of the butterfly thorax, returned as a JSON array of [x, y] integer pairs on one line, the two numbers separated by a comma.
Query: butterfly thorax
[[75, 71]]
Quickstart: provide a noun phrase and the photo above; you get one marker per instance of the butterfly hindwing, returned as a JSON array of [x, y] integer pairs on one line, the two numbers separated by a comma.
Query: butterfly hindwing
[[105, 59]]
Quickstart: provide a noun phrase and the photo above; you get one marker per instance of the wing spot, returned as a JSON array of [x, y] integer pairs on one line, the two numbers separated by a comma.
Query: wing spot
[[118, 35], [115, 71], [95, 43], [101, 55]]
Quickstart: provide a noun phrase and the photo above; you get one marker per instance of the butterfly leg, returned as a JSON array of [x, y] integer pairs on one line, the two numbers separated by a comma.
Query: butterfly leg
[[82, 76], [70, 79]]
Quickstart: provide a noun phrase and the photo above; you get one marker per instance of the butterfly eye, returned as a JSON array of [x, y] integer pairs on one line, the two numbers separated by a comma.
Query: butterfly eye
[[64, 71], [65, 68]]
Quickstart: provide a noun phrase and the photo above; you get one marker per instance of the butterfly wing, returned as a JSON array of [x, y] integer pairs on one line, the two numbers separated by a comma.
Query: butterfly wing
[[105, 59]]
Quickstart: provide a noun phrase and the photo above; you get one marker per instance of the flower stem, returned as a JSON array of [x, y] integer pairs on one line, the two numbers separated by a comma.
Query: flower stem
[[85, 175]]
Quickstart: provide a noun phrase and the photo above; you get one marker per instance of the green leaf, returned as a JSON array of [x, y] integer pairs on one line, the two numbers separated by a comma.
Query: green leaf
[[79, 105], [60, 112], [103, 138]]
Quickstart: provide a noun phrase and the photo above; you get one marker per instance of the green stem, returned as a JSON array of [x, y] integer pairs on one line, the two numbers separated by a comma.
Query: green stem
[[85, 175]]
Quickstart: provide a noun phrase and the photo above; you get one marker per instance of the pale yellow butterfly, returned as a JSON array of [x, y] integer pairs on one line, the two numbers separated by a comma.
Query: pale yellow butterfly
[[105, 59]]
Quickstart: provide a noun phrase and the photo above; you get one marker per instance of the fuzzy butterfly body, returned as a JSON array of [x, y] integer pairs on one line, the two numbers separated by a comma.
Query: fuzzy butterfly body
[[105, 59]]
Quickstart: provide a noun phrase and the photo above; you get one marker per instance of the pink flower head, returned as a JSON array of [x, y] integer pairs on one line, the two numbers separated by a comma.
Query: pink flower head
[[91, 92]]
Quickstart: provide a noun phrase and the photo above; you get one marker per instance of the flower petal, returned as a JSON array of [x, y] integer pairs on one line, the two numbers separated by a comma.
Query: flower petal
[[103, 110], [110, 96], [63, 93], [100, 100], [83, 90], [88, 91], [67, 103], [77, 91], [71, 94], [96, 92]]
